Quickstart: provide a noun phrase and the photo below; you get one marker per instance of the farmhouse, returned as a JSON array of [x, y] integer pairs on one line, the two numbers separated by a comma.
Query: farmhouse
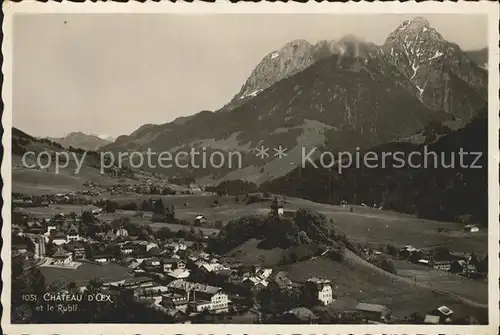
[[72, 234], [77, 249], [442, 265], [102, 258], [178, 274], [122, 232], [62, 257], [320, 289], [200, 219], [471, 228], [152, 262], [133, 283], [178, 302], [59, 238], [444, 314], [431, 319], [171, 264], [374, 312]]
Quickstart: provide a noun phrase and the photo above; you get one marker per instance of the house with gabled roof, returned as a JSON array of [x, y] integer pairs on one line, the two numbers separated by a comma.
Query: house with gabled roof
[[59, 238], [62, 257], [374, 312]]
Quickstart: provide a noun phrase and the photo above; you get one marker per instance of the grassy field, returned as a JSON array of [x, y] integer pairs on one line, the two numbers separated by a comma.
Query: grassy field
[[55, 209], [354, 278], [86, 272], [360, 281], [146, 220], [248, 253], [468, 288], [34, 181], [364, 225]]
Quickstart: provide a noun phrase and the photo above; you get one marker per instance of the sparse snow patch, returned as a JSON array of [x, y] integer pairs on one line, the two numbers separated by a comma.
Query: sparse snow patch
[[415, 69], [275, 54], [421, 90], [436, 55], [252, 94]]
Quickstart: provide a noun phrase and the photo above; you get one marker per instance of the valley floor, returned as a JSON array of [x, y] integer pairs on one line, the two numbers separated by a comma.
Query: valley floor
[[414, 288]]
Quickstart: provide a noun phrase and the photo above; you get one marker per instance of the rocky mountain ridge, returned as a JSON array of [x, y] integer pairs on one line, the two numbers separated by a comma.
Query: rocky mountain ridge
[[335, 94], [79, 140], [442, 75]]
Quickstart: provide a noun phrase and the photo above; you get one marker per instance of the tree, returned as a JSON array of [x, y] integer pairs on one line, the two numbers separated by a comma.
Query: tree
[[50, 249], [73, 216], [336, 254], [274, 300], [121, 222], [88, 217], [158, 206], [146, 206], [163, 233], [26, 282], [131, 206], [483, 265], [385, 264], [110, 206]]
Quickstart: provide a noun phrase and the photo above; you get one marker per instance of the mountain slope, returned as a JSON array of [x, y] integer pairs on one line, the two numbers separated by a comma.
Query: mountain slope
[[338, 95], [82, 141], [479, 56], [293, 58], [442, 75], [28, 177], [438, 193], [341, 102]]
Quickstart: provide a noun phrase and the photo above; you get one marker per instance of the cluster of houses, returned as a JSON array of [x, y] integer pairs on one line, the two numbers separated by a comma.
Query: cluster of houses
[[461, 263], [77, 197], [176, 275], [180, 278]]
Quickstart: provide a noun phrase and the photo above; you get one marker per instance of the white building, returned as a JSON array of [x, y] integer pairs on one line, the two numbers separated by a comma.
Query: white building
[[216, 302], [201, 297], [320, 289]]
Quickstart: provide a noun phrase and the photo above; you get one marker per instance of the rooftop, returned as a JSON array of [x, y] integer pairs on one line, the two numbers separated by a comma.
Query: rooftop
[[319, 280], [445, 310], [431, 319], [371, 307], [60, 253], [190, 286], [302, 313]]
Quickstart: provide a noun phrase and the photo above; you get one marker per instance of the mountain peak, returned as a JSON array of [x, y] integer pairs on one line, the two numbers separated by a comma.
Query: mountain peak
[[415, 30], [350, 38], [416, 23], [290, 59], [298, 42], [78, 139], [429, 62]]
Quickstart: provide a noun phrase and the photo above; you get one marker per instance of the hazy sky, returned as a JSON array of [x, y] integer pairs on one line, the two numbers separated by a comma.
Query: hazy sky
[[110, 74]]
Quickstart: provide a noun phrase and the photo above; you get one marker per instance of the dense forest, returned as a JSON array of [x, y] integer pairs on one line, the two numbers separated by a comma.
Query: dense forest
[[438, 191]]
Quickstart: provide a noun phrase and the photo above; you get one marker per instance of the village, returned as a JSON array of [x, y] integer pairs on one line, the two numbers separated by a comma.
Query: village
[[173, 272]]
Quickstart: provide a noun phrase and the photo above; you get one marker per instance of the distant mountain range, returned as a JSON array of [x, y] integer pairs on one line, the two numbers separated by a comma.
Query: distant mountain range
[[479, 56], [83, 141], [414, 90], [337, 95]]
